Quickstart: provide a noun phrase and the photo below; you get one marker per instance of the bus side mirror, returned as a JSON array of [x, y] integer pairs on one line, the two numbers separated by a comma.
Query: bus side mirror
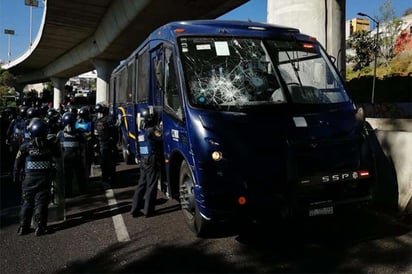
[[360, 114]]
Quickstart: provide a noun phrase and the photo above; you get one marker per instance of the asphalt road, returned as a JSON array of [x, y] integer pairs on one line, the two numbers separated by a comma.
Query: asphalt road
[[99, 236]]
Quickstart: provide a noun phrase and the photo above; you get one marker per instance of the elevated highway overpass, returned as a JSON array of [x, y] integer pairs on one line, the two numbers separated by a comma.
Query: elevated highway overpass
[[79, 36]]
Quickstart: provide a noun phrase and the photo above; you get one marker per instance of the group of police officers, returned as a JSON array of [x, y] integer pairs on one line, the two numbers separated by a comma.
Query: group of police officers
[[49, 145]]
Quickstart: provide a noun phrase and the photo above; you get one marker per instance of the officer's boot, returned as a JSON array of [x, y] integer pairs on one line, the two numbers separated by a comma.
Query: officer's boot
[[41, 224], [25, 221], [24, 227]]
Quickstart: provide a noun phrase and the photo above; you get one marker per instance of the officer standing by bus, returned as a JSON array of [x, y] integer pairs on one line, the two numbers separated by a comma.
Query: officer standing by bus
[[33, 170], [144, 197]]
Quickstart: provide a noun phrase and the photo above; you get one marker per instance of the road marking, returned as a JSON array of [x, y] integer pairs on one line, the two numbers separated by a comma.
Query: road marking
[[119, 226]]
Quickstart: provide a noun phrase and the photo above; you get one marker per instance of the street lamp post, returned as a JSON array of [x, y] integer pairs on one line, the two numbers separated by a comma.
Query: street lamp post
[[31, 3], [375, 54], [9, 32]]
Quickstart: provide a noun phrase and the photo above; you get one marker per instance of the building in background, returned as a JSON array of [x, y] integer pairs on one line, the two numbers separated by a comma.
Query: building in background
[[356, 24]]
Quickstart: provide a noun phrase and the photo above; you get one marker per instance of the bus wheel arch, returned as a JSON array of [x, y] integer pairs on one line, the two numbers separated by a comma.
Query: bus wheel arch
[[198, 224]]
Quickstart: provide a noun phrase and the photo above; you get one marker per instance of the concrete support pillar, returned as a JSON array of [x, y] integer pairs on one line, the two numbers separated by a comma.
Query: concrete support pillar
[[323, 19], [58, 91], [104, 69]]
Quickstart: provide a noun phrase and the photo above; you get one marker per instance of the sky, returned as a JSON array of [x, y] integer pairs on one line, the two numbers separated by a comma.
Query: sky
[[15, 15]]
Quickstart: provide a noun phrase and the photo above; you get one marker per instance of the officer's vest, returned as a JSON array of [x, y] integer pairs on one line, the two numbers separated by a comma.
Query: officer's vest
[[148, 143], [70, 142], [85, 128], [38, 161]]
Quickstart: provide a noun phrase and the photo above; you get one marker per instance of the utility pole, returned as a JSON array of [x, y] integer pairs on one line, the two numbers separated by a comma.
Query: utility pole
[[375, 54], [31, 4], [9, 32]]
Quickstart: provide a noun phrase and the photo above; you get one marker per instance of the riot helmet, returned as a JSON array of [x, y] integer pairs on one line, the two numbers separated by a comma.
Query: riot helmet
[[37, 128], [73, 110], [53, 115], [101, 110], [23, 111], [32, 113], [84, 113], [69, 118]]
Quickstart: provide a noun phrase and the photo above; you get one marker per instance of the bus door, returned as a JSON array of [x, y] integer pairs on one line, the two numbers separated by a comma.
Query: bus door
[[125, 109], [175, 135], [157, 58], [143, 101], [168, 101]]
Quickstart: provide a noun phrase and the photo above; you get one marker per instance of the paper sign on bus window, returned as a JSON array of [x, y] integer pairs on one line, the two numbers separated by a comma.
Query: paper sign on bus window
[[222, 48], [203, 47]]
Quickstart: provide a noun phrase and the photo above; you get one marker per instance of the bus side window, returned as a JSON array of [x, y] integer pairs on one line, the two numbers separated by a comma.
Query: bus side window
[[143, 61], [172, 98], [159, 77]]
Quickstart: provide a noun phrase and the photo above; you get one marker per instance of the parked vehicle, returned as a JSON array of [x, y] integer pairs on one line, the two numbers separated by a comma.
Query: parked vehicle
[[256, 122]]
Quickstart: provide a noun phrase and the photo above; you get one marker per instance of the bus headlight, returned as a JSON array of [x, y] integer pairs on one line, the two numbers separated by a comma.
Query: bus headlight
[[217, 155]]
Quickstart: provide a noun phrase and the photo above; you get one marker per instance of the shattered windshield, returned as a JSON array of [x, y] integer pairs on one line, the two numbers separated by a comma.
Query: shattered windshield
[[230, 73]]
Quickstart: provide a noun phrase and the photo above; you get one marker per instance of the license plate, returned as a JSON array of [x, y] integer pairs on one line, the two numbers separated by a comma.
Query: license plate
[[321, 211]]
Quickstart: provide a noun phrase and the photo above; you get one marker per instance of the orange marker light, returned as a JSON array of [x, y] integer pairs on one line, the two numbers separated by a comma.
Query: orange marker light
[[308, 46], [241, 200], [179, 30]]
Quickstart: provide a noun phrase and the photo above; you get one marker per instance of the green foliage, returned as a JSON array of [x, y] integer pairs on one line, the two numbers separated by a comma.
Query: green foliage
[[6, 78], [7, 81], [363, 45], [388, 64], [389, 30]]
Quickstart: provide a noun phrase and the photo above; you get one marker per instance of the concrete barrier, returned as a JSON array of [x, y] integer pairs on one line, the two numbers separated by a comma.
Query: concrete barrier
[[392, 142]]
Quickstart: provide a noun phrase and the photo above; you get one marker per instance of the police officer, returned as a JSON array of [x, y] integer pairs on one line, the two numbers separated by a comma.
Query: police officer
[[33, 169], [71, 149], [53, 120], [7, 116], [17, 131], [144, 197], [105, 133], [85, 126]]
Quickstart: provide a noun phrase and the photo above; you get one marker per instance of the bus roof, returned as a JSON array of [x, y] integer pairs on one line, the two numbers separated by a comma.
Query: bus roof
[[222, 27]]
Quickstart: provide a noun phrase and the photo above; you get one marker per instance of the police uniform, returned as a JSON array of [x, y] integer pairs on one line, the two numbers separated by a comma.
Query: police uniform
[[85, 126], [104, 128], [33, 168], [145, 194], [71, 149]]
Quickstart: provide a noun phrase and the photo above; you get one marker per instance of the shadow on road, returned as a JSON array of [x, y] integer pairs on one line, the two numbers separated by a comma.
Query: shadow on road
[[349, 244]]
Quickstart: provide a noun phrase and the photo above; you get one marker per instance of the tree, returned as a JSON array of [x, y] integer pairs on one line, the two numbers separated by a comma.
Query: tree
[[389, 30], [7, 81], [363, 44]]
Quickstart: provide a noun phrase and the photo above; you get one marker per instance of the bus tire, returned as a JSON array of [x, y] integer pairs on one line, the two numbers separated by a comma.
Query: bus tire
[[190, 209]]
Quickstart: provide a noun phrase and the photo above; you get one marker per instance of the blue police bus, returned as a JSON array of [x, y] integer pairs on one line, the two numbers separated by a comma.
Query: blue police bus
[[256, 122]]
